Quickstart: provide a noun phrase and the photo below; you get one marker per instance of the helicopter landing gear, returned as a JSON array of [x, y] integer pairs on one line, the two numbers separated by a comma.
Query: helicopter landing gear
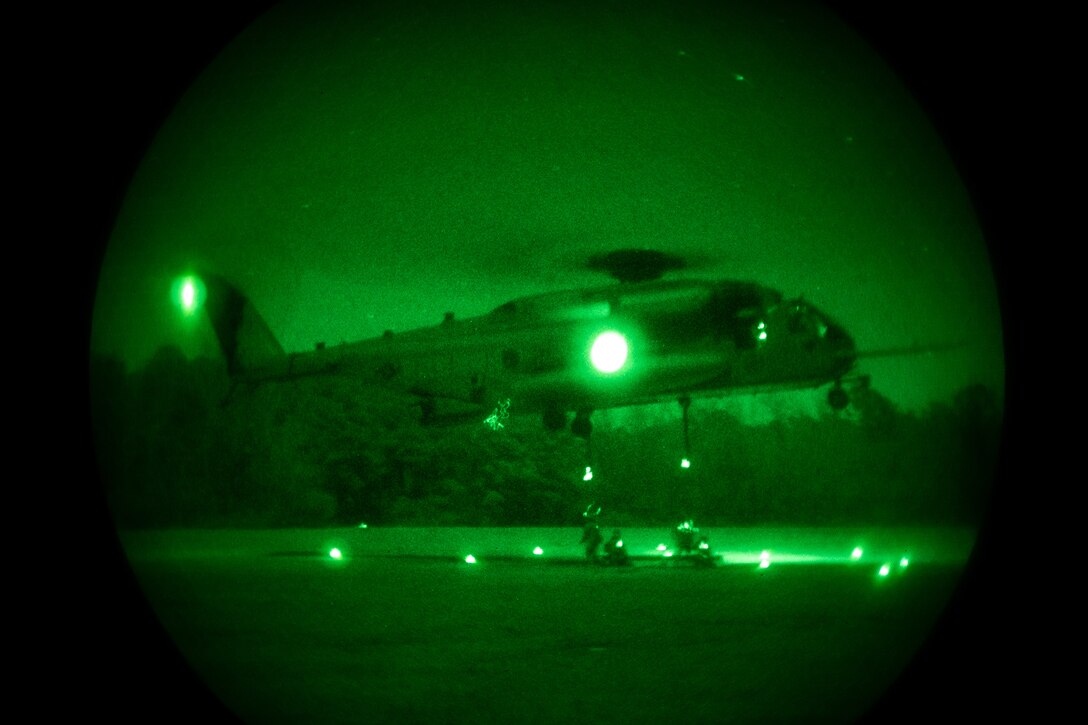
[[685, 403], [581, 425], [427, 409], [554, 418], [837, 397]]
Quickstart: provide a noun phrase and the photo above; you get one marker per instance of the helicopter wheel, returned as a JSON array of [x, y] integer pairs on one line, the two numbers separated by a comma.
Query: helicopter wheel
[[581, 425], [837, 397]]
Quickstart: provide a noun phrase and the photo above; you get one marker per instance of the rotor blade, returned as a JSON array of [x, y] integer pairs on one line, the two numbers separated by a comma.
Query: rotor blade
[[907, 350], [637, 264]]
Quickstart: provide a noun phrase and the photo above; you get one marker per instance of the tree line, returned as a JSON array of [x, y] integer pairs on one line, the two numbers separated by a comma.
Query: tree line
[[179, 446]]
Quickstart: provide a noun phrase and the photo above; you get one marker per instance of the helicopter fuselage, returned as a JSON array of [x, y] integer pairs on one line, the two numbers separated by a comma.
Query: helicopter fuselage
[[583, 350]]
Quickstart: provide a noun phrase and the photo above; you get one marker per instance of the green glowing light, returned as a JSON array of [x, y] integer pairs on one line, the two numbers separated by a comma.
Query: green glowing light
[[884, 570], [609, 352], [738, 77], [589, 474], [764, 559], [538, 551], [362, 526], [856, 553], [188, 293], [668, 554], [661, 547], [497, 419], [763, 336], [470, 559], [619, 544], [335, 553], [903, 563], [685, 463], [703, 545]]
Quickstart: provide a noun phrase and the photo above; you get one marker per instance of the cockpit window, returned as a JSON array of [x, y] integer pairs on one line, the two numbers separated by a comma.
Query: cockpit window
[[798, 321], [735, 312], [805, 320]]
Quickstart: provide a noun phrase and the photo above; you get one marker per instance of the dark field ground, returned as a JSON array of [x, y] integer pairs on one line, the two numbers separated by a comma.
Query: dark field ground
[[402, 629]]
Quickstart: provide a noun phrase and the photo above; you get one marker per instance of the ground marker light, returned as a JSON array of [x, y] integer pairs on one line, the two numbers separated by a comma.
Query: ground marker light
[[335, 553], [661, 547], [764, 559], [884, 570], [470, 559], [538, 551], [903, 563], [856, 553]]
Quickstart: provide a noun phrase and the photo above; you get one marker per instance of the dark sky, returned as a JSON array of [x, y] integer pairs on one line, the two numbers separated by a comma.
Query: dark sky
[[360, 168]]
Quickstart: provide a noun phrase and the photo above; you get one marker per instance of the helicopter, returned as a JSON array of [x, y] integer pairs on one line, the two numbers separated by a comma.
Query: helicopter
[[644, 340]]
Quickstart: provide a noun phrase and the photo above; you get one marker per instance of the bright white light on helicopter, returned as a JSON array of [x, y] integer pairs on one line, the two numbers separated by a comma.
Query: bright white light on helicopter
[[856, 553], [685, 463], [335, 553], [538, 551], [609, 352], [470, 559], [189, 294], [589, 474]]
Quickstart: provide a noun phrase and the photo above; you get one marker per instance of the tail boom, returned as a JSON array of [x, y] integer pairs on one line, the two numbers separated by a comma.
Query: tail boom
[[248, 345]]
